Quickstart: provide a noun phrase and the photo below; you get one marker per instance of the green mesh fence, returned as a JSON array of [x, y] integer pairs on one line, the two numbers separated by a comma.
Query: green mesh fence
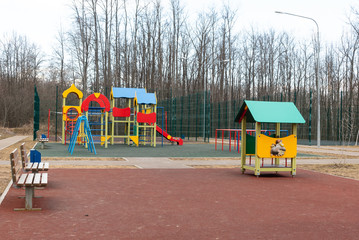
[[196, 117]]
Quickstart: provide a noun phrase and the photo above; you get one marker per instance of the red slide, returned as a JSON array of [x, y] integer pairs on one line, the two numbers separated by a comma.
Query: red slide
[[169, 137]]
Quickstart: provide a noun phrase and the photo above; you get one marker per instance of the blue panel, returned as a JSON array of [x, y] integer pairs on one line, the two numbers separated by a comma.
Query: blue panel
[[35, 156], [126, 92], [146, 98]]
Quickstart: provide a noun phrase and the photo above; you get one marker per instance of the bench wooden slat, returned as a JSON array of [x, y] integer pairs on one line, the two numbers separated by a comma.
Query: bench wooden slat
[[37, 179], [28, 166], [24, 158], [17, 172], [35, 165], [46, 165], [29, 179], [16, 165], [44, 179], [41, 166], [22, 180]]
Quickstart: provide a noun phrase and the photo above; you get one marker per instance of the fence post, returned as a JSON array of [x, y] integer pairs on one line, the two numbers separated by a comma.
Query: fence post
[[341, 117], [212, 117], [57, 95], [328, 124], [204, 116], [208, 115], [338, 120], [169, 99], [233, 114], [174, 117], [310, 119], [181, 129], [219, 115], [189, 115], [197, 110], [226, 126]]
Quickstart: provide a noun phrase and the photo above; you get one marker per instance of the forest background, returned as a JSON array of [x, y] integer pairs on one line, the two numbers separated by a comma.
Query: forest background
[[201, 71]]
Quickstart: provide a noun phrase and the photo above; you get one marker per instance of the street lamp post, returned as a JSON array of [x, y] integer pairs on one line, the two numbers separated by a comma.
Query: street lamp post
[[317, 70]]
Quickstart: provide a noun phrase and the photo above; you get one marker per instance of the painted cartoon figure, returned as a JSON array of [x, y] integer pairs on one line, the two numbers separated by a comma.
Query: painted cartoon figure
[[278, 148]]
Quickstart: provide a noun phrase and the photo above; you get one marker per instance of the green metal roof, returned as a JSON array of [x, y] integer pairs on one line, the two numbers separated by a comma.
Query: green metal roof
[[270, 112]]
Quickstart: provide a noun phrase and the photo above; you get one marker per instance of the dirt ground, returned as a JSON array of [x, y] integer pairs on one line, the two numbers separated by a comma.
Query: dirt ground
[[9, 132], [5, 174], [337, 169]]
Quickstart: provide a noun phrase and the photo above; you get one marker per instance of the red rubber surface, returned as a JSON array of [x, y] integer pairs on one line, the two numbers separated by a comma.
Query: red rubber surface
[[185, 204]]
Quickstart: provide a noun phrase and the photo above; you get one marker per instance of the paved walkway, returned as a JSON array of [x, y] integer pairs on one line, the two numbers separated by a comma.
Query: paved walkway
[[166, 163], [350, 155], [4, 143]]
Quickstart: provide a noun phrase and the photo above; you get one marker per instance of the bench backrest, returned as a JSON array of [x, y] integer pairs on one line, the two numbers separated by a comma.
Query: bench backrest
[[16, 165], [24, 156]]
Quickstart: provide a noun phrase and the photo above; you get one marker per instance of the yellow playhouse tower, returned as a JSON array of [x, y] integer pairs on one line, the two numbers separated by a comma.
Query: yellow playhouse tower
[[70, 113], [145, 120]]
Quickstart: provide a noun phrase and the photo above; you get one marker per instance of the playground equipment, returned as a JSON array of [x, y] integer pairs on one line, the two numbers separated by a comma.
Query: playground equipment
[[97, 116], [87, 136], [137, 121], [262, 146], [162, 132], [145, 118], [123, 119], [70, 114]]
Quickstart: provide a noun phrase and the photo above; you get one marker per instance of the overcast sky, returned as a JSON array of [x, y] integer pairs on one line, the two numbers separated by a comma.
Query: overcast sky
[[40, 20]]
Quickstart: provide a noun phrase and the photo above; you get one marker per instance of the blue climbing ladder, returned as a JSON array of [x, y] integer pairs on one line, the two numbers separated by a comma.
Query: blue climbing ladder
[[88, 140]]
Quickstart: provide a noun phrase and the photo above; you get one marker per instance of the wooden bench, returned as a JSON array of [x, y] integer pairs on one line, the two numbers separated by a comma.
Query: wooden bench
[[29, 166], [27, 180], [43, 140]]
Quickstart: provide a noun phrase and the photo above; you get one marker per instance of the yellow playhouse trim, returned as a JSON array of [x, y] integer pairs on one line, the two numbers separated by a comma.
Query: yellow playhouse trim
[[103, 139], [265, 144], [72, 89], [134, 139], [66, 108]]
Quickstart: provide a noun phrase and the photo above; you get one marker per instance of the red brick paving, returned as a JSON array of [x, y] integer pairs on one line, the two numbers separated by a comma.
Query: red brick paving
[[185, 204]]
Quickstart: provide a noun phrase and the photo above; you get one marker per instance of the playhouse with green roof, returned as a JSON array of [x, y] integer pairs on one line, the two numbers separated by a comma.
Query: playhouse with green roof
[[262, 146]]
